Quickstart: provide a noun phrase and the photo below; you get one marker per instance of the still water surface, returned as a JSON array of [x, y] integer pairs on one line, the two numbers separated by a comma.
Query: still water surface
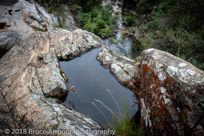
[[91, 82]]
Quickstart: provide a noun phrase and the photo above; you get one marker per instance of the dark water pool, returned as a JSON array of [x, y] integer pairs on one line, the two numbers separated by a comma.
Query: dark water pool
[[91, 82]]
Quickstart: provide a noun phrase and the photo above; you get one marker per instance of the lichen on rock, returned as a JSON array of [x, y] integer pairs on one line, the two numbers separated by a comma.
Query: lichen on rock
[[168, 90]]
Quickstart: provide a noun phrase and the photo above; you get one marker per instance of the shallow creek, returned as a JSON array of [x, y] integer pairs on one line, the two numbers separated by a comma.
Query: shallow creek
[[121, 42], [95, 88]]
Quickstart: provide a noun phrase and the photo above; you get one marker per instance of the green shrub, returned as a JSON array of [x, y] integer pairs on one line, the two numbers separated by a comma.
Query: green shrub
[[99, 21], [50, 10], [196, 63], [54, 5], [101, 24], [173, 26], [104, 32], [91, 27], [84, 18], [130, 20]]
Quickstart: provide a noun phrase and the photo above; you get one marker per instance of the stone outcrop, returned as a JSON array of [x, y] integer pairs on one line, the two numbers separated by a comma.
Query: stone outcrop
[[170, 94], [30, 75], [8, 2], [65, 18], [61, 15], [20, 20], [121, 67], [30, 72]]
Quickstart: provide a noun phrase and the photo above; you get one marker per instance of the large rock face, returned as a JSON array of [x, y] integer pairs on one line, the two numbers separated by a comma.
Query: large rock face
[[20, 20], [170, 93], [30, 75]]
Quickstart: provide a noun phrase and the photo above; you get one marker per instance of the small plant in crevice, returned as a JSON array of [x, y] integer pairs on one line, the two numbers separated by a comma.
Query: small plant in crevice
[[121, 123]]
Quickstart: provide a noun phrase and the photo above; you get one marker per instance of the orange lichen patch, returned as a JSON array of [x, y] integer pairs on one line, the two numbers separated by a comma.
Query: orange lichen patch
[[148, 72], [146, 68], [148, 85], [169, 104]]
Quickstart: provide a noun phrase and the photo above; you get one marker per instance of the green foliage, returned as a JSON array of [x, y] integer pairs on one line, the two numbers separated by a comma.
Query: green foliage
[[88, 5], [146, 6], [92, 17], [84, 18], [54, 5], [61, 24], [123, 125], [99, 21], [50, 10], [144, 43], [130, 20], [196, 63], [173, 26], [91, 27], [104, 32]]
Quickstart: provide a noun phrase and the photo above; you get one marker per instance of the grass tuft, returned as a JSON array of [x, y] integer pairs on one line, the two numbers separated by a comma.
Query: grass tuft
[[123, 125]]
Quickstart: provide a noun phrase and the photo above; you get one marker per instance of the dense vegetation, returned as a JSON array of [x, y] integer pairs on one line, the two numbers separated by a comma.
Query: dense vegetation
[[92, 17], [171, 25]]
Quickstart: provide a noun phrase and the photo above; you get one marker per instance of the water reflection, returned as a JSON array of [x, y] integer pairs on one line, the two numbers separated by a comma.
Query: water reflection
[[92, 82]]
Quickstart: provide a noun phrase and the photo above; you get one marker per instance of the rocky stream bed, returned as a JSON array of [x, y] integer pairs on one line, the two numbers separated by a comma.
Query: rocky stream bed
[[169, 90]]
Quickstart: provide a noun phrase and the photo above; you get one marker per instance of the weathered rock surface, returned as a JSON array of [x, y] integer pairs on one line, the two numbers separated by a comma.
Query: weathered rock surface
[[65, 18], [20, 20], [61, 16], [30, 74], [122, 67], [170, 93]]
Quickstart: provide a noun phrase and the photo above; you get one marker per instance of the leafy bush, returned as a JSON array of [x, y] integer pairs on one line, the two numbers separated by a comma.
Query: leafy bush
[[196, 63], [101, 24], [91, 27], [99, 21], [92, 17], [84, 18], [130, 20]]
